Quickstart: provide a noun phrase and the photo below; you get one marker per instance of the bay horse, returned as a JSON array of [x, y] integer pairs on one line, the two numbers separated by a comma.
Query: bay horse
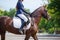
[[6, 24]]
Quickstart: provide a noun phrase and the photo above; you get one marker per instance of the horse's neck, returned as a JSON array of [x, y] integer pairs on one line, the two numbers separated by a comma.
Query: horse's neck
[[37, 20], [37, 15]]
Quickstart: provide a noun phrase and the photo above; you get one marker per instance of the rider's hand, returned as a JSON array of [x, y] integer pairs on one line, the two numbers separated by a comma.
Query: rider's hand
[[30, 14]]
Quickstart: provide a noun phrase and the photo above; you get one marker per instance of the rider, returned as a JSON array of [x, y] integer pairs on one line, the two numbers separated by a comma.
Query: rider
[[20, 13]]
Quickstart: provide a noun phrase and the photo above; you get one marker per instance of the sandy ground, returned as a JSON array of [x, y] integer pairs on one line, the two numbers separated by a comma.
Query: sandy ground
[[10, 36]]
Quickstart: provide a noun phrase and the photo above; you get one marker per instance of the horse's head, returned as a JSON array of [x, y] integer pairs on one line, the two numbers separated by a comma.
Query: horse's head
[[44, 13], [41, 12]]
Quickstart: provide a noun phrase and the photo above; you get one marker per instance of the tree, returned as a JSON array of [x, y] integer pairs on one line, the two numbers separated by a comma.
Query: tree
[[54, 10], [54, 23], [12, 12], [1, 12]]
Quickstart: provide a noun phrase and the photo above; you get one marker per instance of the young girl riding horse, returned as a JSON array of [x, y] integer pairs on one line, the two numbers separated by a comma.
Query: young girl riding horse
[[20, 13]]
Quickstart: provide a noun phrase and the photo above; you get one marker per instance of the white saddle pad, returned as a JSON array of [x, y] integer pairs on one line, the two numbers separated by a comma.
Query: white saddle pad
[[17, 22]]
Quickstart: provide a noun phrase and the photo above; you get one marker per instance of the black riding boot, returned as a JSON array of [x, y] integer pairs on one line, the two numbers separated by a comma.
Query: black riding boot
[[21, 29]]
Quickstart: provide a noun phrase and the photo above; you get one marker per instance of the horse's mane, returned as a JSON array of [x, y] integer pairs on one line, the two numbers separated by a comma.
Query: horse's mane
[[33, 13], [36, 9]]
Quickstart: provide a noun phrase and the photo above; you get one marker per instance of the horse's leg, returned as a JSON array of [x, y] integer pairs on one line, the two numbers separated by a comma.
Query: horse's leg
[[3, 36], [27, 36], [34, 37]]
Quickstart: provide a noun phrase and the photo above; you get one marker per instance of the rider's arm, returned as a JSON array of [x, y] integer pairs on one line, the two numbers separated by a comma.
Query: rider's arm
[[22, 8]]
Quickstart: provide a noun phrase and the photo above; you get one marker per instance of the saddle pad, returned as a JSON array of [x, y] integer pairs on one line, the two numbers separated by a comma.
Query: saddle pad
[[17, 22]]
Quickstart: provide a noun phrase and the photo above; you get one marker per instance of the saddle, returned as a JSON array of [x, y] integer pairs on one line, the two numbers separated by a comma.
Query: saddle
[[17, 22]]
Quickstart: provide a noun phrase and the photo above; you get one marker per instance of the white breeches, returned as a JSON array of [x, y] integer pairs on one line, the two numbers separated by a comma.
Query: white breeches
[[22, 16]]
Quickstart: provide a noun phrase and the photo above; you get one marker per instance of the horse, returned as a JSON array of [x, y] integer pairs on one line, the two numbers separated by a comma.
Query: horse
[[6, 24]]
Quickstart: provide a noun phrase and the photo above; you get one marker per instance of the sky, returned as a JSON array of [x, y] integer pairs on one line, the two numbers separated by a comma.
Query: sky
[[29, 4]]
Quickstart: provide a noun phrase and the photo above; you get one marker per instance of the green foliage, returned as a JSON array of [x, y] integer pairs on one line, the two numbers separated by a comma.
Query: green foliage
[[10, 13], [27, 10], [55, 5], [1, 12], [48, 26], [51, 30], [5, 13]]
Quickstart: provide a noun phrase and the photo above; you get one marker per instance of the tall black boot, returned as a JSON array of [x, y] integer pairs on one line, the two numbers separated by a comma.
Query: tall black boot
[[21, 29]]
